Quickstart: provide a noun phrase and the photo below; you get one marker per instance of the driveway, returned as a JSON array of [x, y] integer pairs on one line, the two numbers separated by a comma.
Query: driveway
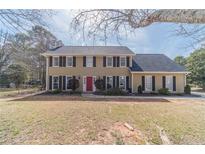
[[202, 94]]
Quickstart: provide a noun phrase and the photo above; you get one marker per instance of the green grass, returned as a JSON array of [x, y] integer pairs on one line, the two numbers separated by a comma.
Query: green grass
[[68, 120]]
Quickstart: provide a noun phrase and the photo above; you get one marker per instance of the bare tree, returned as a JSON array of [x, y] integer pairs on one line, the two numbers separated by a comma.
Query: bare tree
[[20, 20], [5, 51], [111, 22]]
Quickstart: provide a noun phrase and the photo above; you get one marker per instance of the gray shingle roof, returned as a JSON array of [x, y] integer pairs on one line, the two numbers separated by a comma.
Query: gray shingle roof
[[91, 50], [155, 63]]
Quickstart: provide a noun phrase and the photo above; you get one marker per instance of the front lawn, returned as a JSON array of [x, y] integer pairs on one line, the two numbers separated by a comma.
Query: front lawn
[[11, 92], [47, 119]]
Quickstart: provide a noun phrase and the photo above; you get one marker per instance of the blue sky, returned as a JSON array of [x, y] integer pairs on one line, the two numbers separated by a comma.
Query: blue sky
[[156, 38]]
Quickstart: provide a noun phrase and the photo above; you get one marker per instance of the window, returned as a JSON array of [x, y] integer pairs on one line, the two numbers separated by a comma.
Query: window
[[122, 81], [122, 61], [68, 85], [148, 83], [89, 61], [55, 61], [109, 61], [169, 82], [55, 82], [109, 82], [69, 61]]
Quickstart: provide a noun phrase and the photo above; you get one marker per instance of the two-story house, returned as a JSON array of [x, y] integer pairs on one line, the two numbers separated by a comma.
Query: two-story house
[[118, 66]]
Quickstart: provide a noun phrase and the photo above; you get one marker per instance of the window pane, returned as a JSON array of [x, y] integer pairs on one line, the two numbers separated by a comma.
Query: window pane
[[89, 61], [55, 82], [122, 82], [109, 82], [69, 61], [122, 61], [169, 82], [109, 61], [56, 61], [148, 83], [68, 83]]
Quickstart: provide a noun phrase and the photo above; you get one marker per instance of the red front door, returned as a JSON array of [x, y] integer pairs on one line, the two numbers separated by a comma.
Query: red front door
[[89, 85]]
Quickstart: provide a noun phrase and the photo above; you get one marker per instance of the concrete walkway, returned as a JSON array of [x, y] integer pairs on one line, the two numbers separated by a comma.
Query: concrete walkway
[[199, 93], [21, 96], [145, 97]]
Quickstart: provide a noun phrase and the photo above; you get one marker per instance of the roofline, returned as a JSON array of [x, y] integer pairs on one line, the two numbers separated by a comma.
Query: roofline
[[67, 54], [159, 72]]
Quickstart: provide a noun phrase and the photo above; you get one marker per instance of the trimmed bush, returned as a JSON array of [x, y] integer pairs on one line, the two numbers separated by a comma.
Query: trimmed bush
[[74, 83], [164, 91], [115, 92], [56, 91], [187, 89], [139, 89], [99, 84]]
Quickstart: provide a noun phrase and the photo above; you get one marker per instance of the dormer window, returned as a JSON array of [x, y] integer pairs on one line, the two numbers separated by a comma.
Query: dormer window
[[55, 61], [109, 61], [70, 61]]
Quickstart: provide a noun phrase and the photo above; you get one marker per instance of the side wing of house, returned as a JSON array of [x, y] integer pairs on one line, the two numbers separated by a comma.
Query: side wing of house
[[155, 71]]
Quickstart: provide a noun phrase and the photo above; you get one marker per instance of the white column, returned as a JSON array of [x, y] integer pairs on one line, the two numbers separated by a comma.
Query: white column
[[132, 81], [47, 84]]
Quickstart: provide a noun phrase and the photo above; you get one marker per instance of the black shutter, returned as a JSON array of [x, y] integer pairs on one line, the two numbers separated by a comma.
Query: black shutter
[[64, 61], [60, 61], [128, 61], [104, 82], [94, 61], [127, 82], [117, 84], [114, 82], [50, 61], [143, 83], [163, 82], [50, 82], [114, 61], [174, 83], [153, 83], [118, 61], [64, 82], [60, 82], [74, 61], [84, 61], [104, 61]]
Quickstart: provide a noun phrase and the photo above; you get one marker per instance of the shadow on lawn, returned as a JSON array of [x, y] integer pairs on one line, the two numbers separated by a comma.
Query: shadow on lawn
[[71, 98]]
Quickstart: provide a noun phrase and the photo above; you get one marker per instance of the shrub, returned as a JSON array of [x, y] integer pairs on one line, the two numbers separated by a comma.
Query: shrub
[[99, 84], [74, 83], [115, 92], [56, 91], [164, 91], [187, 89], [139, 89]]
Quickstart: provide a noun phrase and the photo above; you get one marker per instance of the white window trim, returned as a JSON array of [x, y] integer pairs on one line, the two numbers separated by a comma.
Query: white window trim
[[94, 79], [150, 81], [84, 83], [125, 82], [87, 60], [58, 61], [67, 82], [53, 82], [171, 76], [67, 61], [107, 61], [125, 61]]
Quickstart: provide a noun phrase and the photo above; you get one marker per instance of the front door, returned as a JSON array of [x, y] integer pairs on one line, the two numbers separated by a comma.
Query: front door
[[89, 85]]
